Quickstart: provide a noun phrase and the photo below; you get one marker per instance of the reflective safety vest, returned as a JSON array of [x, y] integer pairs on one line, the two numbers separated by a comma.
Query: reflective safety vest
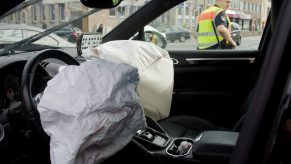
[[206, 34], [154, 39]]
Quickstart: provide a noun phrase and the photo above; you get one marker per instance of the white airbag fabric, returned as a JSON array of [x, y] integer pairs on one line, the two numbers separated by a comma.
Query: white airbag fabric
[[91, 111], [155, 69]]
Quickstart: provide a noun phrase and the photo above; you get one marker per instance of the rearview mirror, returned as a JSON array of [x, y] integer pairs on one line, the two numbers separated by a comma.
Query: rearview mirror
[[101, 3]]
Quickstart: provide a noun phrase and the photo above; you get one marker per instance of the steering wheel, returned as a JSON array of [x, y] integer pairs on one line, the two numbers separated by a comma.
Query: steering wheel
[[30, 104]]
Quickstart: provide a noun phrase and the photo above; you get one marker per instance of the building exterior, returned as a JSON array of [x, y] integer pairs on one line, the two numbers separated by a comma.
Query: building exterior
[[184, 15], [266, 7], [251, 15], [110, 18], [48, 13], [253, 8]]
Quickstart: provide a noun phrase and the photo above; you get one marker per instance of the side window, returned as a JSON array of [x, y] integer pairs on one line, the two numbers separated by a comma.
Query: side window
[[174, 29], [166, 29], [44, 41], [66, 29], [247, 26]]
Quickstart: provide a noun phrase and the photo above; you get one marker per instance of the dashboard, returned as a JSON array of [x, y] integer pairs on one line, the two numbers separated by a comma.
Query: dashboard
[[12, 119], [11, 68], [18, 137], [10, 83]]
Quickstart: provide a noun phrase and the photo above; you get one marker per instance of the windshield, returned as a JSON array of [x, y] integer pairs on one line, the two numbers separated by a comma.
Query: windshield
[[45, 14]]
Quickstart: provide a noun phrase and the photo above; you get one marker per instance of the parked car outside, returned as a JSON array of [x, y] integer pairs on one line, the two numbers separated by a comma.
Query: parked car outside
[[11, 33], [235, 33], [69, 33], [174, 33]]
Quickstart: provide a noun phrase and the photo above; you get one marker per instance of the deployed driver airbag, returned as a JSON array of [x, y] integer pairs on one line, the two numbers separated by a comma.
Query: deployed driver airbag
[[91, 111]]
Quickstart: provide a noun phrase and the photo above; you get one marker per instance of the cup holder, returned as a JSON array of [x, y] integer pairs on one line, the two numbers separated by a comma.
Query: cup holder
[[180, 147]]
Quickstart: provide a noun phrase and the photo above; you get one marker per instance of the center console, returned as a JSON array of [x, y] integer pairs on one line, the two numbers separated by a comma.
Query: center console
[[208, 147]]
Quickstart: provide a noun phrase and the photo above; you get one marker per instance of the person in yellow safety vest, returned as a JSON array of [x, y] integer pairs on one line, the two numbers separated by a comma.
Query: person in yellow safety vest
[[214, 27], [154, 39]]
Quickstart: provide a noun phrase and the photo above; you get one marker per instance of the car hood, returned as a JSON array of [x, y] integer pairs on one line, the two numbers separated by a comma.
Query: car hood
[[62, 42]]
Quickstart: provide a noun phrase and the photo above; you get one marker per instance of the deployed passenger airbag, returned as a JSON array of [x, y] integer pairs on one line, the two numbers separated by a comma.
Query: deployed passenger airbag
[[155, 69]]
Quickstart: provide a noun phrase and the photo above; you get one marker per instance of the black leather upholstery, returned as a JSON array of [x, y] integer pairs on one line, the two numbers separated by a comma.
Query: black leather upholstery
[[185, 126], [215, 146], [190, 126]]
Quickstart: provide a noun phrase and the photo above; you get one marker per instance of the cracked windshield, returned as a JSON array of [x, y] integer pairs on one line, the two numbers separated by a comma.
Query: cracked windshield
[[184, 27]]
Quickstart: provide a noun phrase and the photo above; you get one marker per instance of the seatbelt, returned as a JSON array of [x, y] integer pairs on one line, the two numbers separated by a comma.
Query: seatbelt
[[214, 29]]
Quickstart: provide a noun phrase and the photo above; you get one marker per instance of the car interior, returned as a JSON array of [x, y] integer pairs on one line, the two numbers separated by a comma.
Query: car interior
[[214, 92]]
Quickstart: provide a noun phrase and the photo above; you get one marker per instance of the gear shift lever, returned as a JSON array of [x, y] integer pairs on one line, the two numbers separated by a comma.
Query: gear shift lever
[[147, 135]]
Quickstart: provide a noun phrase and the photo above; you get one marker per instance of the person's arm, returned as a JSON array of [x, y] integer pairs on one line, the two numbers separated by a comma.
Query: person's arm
[[223, 31], [221, 24]]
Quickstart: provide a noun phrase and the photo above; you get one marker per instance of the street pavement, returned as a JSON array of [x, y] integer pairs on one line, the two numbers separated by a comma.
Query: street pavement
[[247, 43]]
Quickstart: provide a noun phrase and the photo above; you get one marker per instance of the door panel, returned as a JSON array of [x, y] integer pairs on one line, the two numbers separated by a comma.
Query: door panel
[[212, 87]]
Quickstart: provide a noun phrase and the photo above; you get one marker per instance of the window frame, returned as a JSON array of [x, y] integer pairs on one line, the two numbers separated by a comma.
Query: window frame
[[52, 12], [62, 16]]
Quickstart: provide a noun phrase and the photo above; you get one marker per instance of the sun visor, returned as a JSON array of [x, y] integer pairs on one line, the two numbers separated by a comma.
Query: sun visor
[[91, 111], [155, 69]]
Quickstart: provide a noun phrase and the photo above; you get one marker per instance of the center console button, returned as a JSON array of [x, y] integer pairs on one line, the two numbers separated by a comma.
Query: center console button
[[147, 135]]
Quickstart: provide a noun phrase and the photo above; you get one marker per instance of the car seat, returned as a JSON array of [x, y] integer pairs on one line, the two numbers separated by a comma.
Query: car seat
[[191, 126]]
